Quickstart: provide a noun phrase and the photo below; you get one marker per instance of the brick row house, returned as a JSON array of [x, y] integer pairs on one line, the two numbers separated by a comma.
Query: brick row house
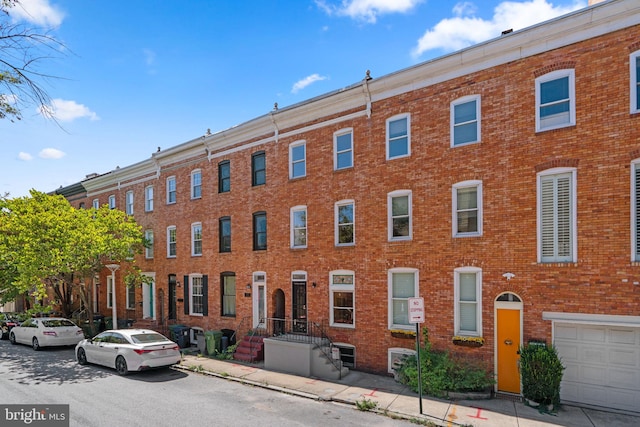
[[498, 182]]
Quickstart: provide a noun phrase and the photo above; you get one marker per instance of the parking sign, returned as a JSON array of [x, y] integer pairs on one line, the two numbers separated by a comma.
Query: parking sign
[[416, 310]]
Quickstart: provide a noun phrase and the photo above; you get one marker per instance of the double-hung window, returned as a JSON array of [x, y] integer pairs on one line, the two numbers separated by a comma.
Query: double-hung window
[[196, 239], [399, 215], [398, 137], [468, 301], [345, 223], [148, 198], [465, 120], [131, 297], [96, 203], [258, 168], [148, 248], [196, 295], [343, 149], [112, 202], [129, 202], [557, 215], [342, 299], [467, 209], [110, 285], [171, 190], [299, 227], [225, 233], [635, 209], [171, 241], [297, 159], [259, 231], [196, 184], [224, 176], [228, 294], [403, 284], [634, 63], [555, 100]]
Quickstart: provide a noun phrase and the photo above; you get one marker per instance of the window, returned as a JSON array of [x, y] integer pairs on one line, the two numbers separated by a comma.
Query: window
[[399, 211], [112, 202], [467, 209], [403, 284], [297, 160], [196, 239], [129, 202], [131, 297], [299, 227], [259, 231], [343, 149], [345, 223], [396, 355], [109, 291], [398, 137], [171, 190], [224, 177], [465, 120], [196, 184], [225, 234], [228, 293], [96, 204], [148, 198], [196, 297], [258, 168], [556, 216], [347, 354], [468, 301], [555, 100], [635, 204], [634, 63], [148, 249], [342, 299], [171, 241]]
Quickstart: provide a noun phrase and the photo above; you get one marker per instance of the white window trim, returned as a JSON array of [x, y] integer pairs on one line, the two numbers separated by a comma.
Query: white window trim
[[454, 203], [109, 291], [191, 277], [148, 201], [635, 193], [172, 178], [337, 221], [393, 119], [300, 208], [96, 203], [456, 306], [129, 202], [148, 252], [390, 196], [345, 288], [193, 184], [193, 238], [169, 228], [397, 350], [554, 75], [633, 82], [336, 135], [460, 101], [112, 201], [574, 210], [128, 302], [416, 293], [304, 160]]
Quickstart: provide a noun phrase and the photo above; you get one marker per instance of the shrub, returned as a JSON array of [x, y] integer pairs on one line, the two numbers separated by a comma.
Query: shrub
[[541, 371]]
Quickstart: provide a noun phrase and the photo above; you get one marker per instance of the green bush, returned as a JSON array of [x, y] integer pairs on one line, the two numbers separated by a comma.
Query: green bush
[[541, 371]]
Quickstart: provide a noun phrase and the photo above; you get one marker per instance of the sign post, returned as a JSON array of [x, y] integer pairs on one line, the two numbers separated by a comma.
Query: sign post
[[416, 315]]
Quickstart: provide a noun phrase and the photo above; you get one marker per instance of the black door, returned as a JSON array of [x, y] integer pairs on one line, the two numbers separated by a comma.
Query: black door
[[299, 305], [172, 297]]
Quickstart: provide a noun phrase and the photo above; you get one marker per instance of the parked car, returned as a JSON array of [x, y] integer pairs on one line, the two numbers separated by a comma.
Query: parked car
[[46, 332], [7, 322], [129, 350]]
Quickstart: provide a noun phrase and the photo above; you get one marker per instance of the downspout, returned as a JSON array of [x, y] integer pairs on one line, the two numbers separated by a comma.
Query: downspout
[[273, 120], [367, 93]]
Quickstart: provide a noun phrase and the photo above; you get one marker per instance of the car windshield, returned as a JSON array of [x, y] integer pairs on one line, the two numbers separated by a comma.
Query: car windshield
[[147, 338], [57, 323]]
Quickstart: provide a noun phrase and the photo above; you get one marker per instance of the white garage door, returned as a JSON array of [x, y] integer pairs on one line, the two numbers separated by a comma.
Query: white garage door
[[602, 365]]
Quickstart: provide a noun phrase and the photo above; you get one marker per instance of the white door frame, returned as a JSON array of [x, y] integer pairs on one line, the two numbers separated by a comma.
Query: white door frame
[[149, 298], [259, 298]]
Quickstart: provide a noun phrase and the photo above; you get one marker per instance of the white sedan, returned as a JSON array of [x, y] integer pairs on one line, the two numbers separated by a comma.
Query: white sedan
[[46, 332], [129, 350]]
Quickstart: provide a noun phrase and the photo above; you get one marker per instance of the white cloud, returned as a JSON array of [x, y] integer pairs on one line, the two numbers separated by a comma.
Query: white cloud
[[39, 12], [51, 153], [454, 33], [367, 10], [301, 84], [67, 111], [24, 156]]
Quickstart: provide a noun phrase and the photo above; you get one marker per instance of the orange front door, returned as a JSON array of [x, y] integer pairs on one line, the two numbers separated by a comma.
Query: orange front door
[[508, 343]]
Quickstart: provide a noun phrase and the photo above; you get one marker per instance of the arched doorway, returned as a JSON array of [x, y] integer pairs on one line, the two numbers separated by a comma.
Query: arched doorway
[[508, 337]]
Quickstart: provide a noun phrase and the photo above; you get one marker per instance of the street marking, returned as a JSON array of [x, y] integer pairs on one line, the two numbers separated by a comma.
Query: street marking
[[452, 416], [477, 415]]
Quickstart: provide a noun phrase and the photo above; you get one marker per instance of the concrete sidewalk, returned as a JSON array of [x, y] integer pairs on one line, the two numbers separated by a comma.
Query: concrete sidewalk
[[399, 401]]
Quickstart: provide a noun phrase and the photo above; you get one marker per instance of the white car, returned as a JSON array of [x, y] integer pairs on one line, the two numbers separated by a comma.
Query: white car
[[46, 332], [129, 350]]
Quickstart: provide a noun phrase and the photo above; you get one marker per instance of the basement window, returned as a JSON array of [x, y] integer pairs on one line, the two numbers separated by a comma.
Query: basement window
[[347, 354]]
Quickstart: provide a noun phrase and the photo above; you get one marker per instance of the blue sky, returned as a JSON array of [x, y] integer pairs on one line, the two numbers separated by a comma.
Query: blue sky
[[143, 74]]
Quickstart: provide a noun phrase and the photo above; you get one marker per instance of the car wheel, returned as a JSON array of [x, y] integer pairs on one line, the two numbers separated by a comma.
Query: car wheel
[[35, 344], [12, 338], [82, 357], [121, 366]]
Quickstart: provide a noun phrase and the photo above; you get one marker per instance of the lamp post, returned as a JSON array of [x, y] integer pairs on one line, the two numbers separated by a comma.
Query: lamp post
[[114, 314]]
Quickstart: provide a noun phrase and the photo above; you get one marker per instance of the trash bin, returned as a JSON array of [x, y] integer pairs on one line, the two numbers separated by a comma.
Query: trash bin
[[213, 339], [108, 323], [225, 343], [125, 323], [231, 336], [180, 335], [202, 344]]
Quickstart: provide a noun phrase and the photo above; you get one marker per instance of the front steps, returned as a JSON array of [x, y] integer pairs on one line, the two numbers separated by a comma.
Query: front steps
[[250, 349]]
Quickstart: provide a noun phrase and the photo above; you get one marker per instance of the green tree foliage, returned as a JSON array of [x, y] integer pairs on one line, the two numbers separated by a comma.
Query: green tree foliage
[[541, 370], [45, 243]]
